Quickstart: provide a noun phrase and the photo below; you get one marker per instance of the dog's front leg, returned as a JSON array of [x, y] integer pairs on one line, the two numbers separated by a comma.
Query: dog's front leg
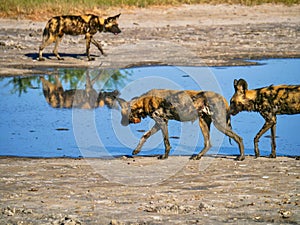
[[273, 143], [94, 42], [204, 123], [150, 132], [88, 45]]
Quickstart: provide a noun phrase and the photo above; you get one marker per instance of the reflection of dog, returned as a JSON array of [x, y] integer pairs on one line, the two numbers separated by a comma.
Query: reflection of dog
[[269, 102], [75, 25], [88, 98], [164, 105]]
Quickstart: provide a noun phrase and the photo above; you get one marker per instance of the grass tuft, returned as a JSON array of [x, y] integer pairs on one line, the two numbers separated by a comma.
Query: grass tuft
[[36, 9]]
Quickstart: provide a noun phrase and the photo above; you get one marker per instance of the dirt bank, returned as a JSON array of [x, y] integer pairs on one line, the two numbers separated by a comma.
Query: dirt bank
[[187, 35], [214, 190]]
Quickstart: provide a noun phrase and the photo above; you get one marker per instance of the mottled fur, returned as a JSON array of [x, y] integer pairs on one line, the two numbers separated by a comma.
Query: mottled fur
[[88, 98], [269, 102], [87, 25], [164, 105]]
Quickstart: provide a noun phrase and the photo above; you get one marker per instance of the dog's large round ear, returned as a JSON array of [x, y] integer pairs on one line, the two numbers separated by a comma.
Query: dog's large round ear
[[109, 19], [244, 84], [235, 82], [116, 93], [240, 86]]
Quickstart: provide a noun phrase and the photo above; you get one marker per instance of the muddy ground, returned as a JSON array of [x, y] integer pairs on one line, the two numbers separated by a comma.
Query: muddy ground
[[186, 35], [214, 190], [144, 190]]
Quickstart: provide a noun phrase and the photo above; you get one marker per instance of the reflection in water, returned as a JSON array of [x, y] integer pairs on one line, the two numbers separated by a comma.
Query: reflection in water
[[109, 79], [30, 127], [20, 85], [87, 98]]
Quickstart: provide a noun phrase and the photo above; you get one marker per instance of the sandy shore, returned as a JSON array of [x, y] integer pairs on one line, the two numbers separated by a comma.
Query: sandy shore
[[190, 35], [214, 190], [144, 190]]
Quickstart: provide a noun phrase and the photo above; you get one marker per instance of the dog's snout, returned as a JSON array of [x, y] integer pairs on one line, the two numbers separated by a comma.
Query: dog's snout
[[125, 121]]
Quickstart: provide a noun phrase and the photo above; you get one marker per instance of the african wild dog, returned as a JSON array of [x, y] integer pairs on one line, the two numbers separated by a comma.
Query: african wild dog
[[164, 105], [269, 102], [88, 98], [75, 25]]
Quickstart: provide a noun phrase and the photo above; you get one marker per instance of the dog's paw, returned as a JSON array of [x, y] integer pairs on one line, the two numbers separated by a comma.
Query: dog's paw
[[162, 157], [240, 158], [135, 152], [272, 156], [195, 157]]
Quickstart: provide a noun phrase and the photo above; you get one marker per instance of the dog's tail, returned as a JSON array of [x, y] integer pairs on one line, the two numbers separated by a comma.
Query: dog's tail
[[228, 121], [46, 31]]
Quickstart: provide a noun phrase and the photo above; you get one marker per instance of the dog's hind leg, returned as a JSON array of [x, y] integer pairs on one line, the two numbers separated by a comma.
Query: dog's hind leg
[[94, 42], [227, 131], [144, 138], [55, 50], [58, 83], [46, 41], [273, 143], [204, 123]]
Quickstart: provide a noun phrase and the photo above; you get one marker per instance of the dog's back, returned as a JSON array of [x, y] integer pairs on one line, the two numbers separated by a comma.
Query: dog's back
[[188, 105], [281, 99]]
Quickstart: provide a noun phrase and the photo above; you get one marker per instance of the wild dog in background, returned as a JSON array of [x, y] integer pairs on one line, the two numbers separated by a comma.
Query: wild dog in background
[[165, 105], [88, 98], [269, 102], [76, 25]]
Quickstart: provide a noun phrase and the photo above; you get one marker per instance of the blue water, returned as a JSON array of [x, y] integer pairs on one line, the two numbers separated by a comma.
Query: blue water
[[30, 127]]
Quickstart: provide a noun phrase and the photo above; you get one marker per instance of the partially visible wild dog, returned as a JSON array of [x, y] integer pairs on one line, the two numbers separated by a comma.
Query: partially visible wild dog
[[269, 102], [88, 98], [165, 105], [76, 25]]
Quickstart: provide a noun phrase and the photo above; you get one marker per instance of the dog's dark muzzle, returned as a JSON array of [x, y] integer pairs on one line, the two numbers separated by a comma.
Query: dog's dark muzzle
[[125, 121], [115, 30]]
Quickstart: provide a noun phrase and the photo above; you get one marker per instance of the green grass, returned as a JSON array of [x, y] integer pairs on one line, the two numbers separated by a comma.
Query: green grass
[[31, 8]]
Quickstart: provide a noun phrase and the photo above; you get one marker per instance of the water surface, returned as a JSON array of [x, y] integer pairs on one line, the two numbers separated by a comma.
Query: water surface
[[30, 127]]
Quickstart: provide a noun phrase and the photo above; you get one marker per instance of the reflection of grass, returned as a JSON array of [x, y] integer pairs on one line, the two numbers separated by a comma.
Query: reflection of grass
[[114, 79], [38, 8], [106, 79], [20, 85]]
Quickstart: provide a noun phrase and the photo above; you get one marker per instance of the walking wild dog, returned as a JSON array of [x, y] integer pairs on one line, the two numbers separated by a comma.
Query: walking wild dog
[[87, 98], [164, 105], [269, 102], [75, 25]]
